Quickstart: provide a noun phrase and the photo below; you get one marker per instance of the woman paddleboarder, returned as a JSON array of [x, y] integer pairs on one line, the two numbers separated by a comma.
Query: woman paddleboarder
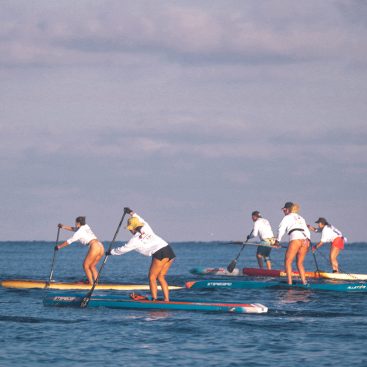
[[329, 234], [299, 239], [85, 236], [147, 243]]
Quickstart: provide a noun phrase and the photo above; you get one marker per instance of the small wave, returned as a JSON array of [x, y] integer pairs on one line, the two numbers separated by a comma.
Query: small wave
[[306, 313], [36, 320]]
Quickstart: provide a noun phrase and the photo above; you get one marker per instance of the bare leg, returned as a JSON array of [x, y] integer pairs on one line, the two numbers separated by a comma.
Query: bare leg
[[260, 261], [154, 270], [268, 264], [158, 270], [93, 267], [94, 254], [162, 279], [289, 257], [88, 272], [334, 252], [300, 259]]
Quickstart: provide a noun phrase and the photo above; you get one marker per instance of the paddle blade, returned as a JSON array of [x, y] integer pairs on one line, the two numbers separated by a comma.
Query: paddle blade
[[231, 266], [85, 300]]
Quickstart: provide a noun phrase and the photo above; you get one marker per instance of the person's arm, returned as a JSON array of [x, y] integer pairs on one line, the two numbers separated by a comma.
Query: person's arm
[[282, 229], [254, 232], [68, 228], [314, 248], [77, 235], [64, 244], [129, 246], [311, 228]]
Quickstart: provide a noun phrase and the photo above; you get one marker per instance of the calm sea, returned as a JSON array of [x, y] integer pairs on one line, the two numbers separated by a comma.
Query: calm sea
[[302, 328]]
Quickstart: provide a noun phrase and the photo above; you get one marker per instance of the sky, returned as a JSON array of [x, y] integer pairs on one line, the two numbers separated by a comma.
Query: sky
[[192, 113]]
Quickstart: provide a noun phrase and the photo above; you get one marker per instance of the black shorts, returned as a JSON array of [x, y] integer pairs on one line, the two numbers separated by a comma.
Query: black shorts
[[164, 253], [263, 251]]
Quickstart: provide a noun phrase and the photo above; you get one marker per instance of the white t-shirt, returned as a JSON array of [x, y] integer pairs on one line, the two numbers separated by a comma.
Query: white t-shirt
[[293, 221], [262, 228], [329, 233], [146, 242], [84, 235]]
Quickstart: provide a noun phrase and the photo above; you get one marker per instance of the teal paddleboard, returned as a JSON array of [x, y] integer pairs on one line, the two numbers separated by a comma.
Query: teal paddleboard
[[252, 284], [124, 302]]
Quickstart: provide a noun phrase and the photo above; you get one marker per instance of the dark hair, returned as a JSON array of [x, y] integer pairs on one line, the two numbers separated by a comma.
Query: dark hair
[[323, 221], [80, 220]]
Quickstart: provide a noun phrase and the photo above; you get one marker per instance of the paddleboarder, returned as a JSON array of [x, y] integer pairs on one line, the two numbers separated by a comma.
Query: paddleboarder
[[262, 229], [85, 236], [147, 243], [299, 239], [329, 234]]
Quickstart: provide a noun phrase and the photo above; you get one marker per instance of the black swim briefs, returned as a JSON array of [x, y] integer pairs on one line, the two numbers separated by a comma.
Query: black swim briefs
[[164, 253]]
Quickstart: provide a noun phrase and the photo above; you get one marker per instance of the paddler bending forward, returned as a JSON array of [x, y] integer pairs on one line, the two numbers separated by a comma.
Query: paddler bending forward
[[85, 236], [329, 234], [147, 243]]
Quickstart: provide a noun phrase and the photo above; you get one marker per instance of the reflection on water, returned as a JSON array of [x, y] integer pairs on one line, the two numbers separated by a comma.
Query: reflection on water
[[157, 315], [294, 296]]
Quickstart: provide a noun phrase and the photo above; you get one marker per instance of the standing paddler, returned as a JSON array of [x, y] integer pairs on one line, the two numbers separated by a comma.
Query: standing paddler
[[85, 236], [299, 239], [147, 243], [262, 228], [329, 234]]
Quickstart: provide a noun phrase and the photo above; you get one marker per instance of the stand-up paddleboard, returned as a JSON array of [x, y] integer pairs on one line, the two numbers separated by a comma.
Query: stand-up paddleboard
[[29, 284], [215, 271], [309, 274], [256, 272], [343, 276], [114, 301], [250, 272], [248, 284]]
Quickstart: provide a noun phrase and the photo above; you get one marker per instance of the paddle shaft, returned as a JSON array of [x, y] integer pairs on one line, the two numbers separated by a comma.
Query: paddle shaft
[[86, 299], [233, 263], [53, 258], [344, 272], [255, 244], [317, 266]]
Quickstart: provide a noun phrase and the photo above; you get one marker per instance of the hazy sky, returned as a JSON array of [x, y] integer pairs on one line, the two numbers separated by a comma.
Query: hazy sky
[[193, 113]]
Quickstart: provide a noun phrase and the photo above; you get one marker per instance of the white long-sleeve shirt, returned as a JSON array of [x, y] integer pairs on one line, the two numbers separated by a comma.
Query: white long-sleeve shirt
[[290, 222], [329, 233], [83, 235], [262, 228], [146, 242]]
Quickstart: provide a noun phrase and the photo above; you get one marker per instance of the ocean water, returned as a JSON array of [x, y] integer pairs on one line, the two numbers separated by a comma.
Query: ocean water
[[301, 328]]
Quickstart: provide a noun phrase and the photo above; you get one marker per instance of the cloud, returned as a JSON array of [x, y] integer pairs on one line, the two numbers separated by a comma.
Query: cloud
[[193, 33], [179, 107]]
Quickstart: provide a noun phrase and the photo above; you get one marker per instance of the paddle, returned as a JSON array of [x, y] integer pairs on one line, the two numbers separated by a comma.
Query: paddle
[[341, 270], [233, 263], [86, 299], [256, 244], [53, 259], [317, 266]]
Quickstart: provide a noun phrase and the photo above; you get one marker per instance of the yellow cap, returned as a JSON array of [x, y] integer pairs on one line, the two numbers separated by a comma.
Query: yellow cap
[[133, 223]]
